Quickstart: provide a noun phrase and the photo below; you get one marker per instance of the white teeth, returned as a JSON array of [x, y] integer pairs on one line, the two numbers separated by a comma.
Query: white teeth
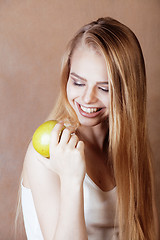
[[89, 110]]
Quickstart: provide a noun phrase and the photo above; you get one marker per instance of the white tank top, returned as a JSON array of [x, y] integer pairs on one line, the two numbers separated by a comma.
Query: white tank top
[[99, 212]]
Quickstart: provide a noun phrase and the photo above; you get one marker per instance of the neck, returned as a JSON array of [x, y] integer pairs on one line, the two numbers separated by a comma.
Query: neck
[[95, 136]]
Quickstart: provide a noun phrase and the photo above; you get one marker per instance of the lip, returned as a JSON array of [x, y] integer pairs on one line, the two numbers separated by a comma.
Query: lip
[[89, 115]]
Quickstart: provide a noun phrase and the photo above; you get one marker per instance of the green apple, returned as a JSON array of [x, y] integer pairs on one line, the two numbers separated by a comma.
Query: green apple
[[41, 137]]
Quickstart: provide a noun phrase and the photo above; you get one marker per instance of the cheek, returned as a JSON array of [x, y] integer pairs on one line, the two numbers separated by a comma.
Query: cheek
[[107, 101], [104, 98], [70, 92]]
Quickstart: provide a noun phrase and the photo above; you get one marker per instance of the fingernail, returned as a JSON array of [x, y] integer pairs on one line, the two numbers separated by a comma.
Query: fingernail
[[73, 133]]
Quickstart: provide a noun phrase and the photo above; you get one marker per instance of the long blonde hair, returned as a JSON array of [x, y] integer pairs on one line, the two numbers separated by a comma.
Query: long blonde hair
[[129, 147]]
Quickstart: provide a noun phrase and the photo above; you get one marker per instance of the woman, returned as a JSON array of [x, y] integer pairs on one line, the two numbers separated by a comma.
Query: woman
[[98, 182]]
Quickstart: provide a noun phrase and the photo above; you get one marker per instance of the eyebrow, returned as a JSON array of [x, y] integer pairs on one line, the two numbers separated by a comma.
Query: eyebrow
[[81, 78]]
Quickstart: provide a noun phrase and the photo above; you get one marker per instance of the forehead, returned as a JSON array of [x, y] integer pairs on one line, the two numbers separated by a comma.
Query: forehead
[[89, 64]]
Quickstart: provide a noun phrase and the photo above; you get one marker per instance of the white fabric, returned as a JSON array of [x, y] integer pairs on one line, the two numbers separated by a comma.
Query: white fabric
[[99, 212], [31, 223]]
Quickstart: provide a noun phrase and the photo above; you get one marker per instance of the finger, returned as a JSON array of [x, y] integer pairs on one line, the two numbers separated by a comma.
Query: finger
[[65, 136], [73, 141], [55, 134], [80, 146]]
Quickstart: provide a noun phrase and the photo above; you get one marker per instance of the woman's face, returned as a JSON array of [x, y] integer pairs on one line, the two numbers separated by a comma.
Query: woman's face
[[88, 86]]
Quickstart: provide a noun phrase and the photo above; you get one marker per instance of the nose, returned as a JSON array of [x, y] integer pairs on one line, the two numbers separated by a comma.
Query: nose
[[89, 95]]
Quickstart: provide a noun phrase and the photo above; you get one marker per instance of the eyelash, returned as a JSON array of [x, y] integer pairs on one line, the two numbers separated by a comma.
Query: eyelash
[[78, 84], [81, 85], [103, 89]]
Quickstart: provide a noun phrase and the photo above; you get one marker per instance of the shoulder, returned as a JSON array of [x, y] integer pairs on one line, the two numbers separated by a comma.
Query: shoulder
[[34, 171], [45, 188]]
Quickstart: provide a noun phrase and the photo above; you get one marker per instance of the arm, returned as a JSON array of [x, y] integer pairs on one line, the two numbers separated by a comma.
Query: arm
[[45, 187], [58, 200], [71, 223]]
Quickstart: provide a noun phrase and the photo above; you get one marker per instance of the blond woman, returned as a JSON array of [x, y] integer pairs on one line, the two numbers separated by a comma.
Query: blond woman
[[98, 182]]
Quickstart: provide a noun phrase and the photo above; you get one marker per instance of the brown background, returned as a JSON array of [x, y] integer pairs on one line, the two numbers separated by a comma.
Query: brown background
[[33, 36]]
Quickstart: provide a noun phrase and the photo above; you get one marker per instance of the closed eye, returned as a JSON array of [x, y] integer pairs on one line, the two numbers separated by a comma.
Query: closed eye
[[77, 83], [103, 89]]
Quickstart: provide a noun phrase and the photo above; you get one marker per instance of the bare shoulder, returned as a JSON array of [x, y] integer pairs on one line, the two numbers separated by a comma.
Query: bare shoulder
[[34, 170], [45, 188]]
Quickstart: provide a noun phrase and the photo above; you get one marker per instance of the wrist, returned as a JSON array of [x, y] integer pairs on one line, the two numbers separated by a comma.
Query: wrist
[[71, 180], [71, 184]]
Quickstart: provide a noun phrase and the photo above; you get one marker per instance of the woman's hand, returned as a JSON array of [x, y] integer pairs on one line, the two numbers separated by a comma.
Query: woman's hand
[[66, 155]]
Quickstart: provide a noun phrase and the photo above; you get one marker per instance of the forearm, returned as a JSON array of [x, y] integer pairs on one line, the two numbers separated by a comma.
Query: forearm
[[71, 223]]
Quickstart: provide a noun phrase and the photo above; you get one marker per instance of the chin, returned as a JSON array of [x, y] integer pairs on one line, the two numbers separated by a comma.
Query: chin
[[92, 122]]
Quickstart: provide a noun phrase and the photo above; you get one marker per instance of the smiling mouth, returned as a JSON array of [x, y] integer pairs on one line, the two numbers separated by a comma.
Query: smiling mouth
[[89, 111]]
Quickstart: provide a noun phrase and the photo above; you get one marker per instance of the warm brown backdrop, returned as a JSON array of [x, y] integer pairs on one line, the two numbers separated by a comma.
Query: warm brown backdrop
[[33, 36]]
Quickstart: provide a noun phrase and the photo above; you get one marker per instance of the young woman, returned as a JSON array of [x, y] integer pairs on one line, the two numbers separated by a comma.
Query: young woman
[[98, 182]]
